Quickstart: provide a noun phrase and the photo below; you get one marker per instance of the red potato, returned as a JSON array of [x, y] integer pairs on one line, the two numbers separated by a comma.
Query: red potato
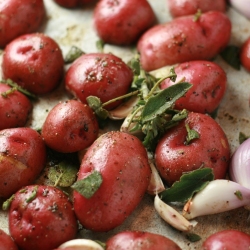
[[135, 240], [41, 217], [6, 242], [98, 74], [188, 7], [173, 156], [15, 108], [23, 156], [73, 3], [245, 54], [209, 82], [122, 22], [122, 161], [227, 239], [35, 62], [184, 39], [19, 17], [70, 126]]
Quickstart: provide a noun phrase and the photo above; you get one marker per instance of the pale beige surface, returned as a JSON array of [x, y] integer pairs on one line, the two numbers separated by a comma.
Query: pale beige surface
[[69, 28]]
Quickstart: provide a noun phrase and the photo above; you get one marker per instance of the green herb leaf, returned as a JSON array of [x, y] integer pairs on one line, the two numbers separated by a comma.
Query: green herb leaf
[[33, 195], [89, 185], [231, 54], [73, 54], [164, 100], [242, 137], [64, 174], [96, 104], [238, 194], [189, 184], [193, 237], [191, 134], [7, 203]]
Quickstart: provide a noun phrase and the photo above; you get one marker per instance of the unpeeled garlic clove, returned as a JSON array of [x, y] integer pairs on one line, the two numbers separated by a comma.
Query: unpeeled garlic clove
[[81, 244]]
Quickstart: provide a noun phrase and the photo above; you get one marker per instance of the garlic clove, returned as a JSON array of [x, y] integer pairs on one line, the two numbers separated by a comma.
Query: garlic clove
[[171, 216], [122, 111], [81, 244], [218, 196]]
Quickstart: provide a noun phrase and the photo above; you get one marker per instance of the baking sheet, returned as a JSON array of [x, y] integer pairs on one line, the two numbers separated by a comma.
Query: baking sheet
[[74, 27]]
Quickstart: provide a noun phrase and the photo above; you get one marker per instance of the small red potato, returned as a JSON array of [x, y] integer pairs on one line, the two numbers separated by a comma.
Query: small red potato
[[209, 82], [22, 158], [6, 242], [35, 62], [174, 156], [70, 126], [122, 22], [136, 240], [188, 7], [41, 217], [184, 39], [19, 17], [227, 239], [15, 107], [98, 74], [122, 161], [245, 54]]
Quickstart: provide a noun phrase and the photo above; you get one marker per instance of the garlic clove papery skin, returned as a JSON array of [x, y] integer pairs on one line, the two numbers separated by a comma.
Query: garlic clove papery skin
[[171, 216], [218, 196], [81, 244], [242, 6], [239, 167]]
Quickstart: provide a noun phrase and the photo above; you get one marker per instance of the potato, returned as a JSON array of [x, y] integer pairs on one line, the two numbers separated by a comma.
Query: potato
[[22, 158], [122, 162], [6, 242], [245, 54], [19, 17], [209, 82], [188, 7], [184, 39]]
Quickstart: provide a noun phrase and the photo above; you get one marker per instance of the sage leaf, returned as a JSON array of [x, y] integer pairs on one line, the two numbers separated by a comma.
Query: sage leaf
[[231, 54], [189, 184], [164, 100], [89, 185], [191, 134], [63, 175], [73, 54]]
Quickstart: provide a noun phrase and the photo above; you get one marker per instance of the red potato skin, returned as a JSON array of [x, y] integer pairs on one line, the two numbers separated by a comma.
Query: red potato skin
[[227, 239], [184, 39], [14, 108], [35, 62], [23, 156], [188, 7], [98, 74], [209, 82], [43, 223], [19, 17], [245, 54], [70, 126], [122, 161], [136, 240], [6, 242], [122, 22], [73, 3], [173, 157]]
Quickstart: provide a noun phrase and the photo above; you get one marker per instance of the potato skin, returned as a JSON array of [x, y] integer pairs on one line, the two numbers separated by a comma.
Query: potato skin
[[14, 108], [99, 74], [70, 126], [209, 82], [35, 62], [6, 242], [122, 22], [184, 39], [136, 240], [173, 157], [188, 7], [72, 3], [19, 17], [245, 54], [23, 156], [227, 239], [44, 222], [123, 163]]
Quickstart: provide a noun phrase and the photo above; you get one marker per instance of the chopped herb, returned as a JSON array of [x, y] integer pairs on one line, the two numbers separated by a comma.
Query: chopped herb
[[7, 203], [191, 134], [73, 54], [231, 54], [193, 237], [238, 194], [33, 195]]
